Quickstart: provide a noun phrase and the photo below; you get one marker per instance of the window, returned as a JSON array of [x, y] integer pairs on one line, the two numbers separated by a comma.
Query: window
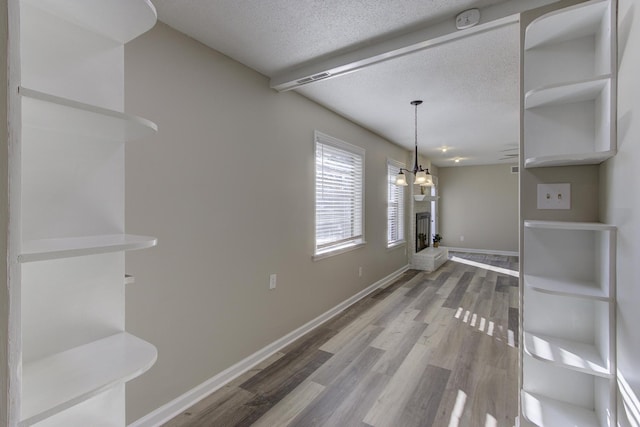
[[395, 205], [339, 195]]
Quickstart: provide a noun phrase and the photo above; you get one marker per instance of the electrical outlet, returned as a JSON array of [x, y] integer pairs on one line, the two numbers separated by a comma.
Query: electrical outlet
[[272, 281], [359, 271], [462, 238], [554, 196]]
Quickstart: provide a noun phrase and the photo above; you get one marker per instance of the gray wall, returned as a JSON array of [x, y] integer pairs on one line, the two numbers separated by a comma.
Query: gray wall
[[227, 186], [481, 204], [620, 181], [4, 217]]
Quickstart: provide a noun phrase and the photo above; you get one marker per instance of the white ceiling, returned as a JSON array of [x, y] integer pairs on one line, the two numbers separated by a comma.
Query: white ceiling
[[470, 86]]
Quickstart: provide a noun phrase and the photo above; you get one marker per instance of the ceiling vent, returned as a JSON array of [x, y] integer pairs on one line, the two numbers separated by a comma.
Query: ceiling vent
[[314, 78]]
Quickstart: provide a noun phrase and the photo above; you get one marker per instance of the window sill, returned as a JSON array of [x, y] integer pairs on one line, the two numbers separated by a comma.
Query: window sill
[[396, 245], [328, 254]]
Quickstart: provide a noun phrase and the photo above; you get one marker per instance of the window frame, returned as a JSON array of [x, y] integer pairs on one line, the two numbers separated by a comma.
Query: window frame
[[354, 242], [401, 204]]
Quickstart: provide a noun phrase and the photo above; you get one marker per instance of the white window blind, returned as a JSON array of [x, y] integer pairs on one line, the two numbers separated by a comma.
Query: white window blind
[[395, 205], [339, 194]]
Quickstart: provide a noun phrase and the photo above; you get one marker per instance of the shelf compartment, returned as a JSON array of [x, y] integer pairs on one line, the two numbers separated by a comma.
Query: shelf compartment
[[565, 93], [566, 353], [566, 24], [60, 381], [46, 249], [569, 124], [118, 20], [546, 412], [570, 258], [50, 112]]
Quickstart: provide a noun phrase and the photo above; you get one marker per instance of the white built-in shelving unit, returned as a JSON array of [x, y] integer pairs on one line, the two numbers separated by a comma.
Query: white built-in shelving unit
[[72, 355], [569, 283], [569, 86]]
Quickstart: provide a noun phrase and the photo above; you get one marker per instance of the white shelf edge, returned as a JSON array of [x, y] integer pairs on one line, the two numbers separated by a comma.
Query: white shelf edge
[[118, 20], [546, 412], [565, 287], [54, 112], [593, 158], [566, 92], [569, 225], [538, 32], [566, 354], [63, 380], [47, 249]]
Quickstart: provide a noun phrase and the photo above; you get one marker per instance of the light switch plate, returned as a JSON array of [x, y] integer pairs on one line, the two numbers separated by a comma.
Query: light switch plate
[[554, 196]]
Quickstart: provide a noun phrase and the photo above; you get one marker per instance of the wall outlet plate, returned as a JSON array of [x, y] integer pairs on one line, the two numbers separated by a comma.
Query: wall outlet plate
[[554, 196]]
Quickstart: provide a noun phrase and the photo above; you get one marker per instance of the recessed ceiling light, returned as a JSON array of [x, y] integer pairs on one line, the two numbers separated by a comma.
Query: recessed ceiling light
[[457, 160]]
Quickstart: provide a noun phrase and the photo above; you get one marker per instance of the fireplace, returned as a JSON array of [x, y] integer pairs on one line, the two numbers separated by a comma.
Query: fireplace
[[423, 233]]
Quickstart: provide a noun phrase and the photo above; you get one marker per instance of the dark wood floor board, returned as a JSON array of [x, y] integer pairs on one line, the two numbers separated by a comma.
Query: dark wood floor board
[[422, 407], [388, 406], [291, 405], [432, 349], [208, 412], [285, 372], [392, 358], [394, 332], [342, 359], [431, 309], [454, 298], [353, 409], [425, 298], [339, 390]]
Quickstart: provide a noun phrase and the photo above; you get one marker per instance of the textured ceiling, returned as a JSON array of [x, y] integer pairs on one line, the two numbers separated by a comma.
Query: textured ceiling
[[470, 88], [470, 85]]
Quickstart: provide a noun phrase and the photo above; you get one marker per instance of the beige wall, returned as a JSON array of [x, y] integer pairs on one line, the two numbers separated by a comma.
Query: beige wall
[[227, 186], [481, 204], [621, 200]]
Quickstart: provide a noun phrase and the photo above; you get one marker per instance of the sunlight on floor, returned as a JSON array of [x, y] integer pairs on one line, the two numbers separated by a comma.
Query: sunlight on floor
[[457, 409], [486, 266], [483, 322], [491, 421]]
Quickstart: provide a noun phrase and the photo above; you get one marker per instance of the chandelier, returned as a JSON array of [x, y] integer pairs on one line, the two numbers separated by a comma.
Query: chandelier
[[422, 176]]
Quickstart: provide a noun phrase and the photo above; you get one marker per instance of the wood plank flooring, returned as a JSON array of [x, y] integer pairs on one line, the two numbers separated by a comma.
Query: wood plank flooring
[[431, 349]]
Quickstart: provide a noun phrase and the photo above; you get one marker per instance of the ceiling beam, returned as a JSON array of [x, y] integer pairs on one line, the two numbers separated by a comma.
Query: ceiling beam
[[491, 17]]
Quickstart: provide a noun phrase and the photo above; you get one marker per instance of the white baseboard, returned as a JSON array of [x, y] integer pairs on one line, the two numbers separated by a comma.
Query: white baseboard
[[629, 404], [483, 251], [188, 399]]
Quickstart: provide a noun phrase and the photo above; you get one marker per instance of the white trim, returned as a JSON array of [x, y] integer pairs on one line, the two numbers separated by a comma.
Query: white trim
[[483, 251], [188, 399]]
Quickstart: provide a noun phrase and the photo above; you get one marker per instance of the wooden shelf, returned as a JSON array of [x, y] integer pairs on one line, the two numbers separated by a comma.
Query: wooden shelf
[[45, 249], [44, 111], [566, 93], [118, 20], [566, 24], [593, 158], [63, 380], [566, 354], [565, 287], [545, 412], [569, 225]]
